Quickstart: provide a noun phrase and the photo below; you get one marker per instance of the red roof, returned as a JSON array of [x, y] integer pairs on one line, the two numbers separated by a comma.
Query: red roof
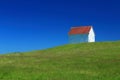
[[80, 30]]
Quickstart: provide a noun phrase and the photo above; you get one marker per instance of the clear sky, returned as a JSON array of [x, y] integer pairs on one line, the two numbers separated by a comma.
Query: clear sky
[[27, 25]]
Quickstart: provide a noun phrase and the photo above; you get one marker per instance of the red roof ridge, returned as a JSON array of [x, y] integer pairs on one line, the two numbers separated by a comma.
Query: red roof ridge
[[80, 30], [79, 26]]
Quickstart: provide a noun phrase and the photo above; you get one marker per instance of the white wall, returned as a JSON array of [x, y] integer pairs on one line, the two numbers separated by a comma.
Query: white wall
[[91, 36]]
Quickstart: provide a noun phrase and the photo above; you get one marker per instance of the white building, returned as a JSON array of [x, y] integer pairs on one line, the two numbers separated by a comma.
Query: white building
[[81, 34]]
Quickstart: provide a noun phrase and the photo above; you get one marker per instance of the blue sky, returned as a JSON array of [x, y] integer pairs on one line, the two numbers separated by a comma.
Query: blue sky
[[27, 25]]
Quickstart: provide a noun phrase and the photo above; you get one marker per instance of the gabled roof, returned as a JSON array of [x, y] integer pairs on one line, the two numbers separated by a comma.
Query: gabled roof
[[80, 30]]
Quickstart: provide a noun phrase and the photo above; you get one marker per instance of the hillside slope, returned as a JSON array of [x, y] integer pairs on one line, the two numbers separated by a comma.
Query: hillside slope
[[86, 61]]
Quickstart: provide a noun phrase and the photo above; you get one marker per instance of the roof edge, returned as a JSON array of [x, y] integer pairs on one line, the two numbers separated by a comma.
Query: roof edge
[[80, 26]]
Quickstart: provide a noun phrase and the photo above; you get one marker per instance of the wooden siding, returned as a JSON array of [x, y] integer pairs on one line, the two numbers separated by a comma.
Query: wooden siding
[[78, 38]]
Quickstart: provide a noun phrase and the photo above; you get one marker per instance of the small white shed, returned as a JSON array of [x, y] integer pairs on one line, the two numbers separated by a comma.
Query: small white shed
[[81, 34]]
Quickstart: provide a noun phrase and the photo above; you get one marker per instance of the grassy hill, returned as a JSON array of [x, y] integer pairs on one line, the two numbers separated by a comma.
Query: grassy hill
[[86, 61]]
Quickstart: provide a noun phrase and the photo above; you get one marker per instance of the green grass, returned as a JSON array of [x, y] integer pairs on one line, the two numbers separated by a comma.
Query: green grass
[[86, 61]]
